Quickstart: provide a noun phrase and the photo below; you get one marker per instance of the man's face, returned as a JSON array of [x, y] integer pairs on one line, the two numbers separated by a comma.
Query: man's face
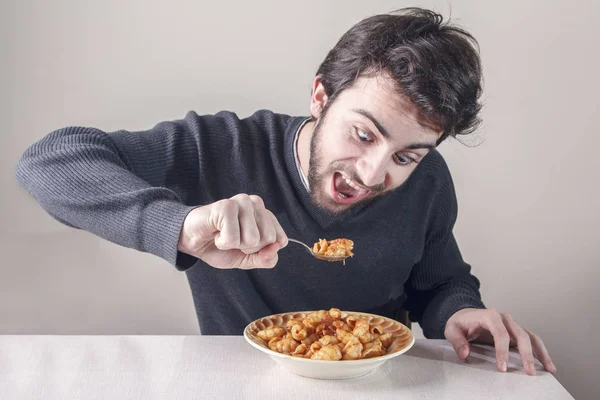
[[366, 143]]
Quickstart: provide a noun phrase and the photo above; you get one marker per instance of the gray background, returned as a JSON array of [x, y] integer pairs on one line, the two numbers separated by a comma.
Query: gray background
[[528, 193]]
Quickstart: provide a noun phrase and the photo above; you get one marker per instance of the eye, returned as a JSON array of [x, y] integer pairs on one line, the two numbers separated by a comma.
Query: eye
[[364, 136], [403, 159]]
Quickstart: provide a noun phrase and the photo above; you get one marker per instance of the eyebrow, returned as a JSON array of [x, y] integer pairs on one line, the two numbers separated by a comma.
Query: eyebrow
[[370, 116], [419, 145], [385, 133]]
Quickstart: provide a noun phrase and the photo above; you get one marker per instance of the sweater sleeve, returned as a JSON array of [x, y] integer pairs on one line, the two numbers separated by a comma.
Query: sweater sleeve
[[131, 188], [441, 283]]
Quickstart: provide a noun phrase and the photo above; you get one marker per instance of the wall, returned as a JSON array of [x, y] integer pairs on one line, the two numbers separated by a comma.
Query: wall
[[527, 196]]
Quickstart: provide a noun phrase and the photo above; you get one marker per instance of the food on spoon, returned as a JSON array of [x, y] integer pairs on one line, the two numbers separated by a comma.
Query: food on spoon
[[334, 248]]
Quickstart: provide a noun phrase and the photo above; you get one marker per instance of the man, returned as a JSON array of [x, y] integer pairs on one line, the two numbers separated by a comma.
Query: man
[[218, 196]]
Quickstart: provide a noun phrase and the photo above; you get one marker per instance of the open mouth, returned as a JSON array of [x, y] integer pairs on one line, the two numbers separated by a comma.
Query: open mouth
[[345, 190]]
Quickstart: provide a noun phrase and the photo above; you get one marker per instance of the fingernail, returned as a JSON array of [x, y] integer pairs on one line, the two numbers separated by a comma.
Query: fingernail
[[463, 351], [503, 366], [532, 368], [552, 366], [270, 256]]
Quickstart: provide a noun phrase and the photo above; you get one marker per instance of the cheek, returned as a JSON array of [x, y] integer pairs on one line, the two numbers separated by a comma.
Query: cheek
[[337, 145]]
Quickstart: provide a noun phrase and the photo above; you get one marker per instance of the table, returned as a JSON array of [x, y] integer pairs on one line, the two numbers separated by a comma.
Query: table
[[226, 367]]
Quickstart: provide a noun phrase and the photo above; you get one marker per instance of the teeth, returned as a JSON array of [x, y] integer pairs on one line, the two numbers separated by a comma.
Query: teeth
[[351, 184]]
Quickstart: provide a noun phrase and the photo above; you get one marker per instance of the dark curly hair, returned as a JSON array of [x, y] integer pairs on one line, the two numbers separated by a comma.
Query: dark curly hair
[[434, 64]]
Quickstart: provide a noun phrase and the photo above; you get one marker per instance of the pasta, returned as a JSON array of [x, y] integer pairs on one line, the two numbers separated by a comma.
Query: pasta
[[334, 248], [325, 335]]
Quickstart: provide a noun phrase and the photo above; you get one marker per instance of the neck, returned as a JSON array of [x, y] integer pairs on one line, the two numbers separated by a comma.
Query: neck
[[304, 139]]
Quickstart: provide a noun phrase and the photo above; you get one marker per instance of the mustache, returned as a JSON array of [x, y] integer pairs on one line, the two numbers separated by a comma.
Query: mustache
[[379, 188]]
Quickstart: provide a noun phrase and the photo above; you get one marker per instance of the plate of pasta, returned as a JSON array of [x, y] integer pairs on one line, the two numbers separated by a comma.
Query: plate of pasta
[[329, 344]]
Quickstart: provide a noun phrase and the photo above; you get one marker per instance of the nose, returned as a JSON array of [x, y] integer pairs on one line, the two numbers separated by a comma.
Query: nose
[[372, 169]]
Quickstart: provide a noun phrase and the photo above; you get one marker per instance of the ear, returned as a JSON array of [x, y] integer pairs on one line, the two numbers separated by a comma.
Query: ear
[[318, 98]]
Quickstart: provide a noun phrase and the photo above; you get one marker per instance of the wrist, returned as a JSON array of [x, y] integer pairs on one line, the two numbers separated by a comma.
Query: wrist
[[192, 236]]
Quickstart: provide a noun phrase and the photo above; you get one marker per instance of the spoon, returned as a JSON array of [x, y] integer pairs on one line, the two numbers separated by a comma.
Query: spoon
[[319, 256]]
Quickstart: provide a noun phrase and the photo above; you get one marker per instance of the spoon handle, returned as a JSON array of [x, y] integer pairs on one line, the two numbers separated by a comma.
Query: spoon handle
[[302, 243]]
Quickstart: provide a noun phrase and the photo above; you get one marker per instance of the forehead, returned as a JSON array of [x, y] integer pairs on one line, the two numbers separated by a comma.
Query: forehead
[[380, 97]]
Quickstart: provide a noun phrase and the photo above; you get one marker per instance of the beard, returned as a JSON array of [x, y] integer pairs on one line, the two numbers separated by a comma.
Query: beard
[[318, 174]]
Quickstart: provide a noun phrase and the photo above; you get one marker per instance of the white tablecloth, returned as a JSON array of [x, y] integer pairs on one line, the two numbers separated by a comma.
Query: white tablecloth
[[226, 367]]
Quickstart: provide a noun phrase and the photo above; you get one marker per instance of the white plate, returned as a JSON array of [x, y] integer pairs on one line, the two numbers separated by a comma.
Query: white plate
[[320, 369]]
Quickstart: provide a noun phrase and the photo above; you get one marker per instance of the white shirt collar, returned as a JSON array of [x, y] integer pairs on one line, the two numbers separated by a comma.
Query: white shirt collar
[[300, 172]]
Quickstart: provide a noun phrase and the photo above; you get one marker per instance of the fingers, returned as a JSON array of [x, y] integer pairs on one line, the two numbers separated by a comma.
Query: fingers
[[243, 223], [492, 321], [523, 343], [225, 219], [503, 331], [265, 258], [280, 235], [250, 217], [455, 335], [540, 352], [250, 235]]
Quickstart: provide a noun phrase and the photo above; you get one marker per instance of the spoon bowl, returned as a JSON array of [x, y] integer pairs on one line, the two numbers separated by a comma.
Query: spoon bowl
[[318, 256]]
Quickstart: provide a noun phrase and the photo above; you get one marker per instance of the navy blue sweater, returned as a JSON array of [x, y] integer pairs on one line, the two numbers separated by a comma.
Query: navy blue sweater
[[135, 189]]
